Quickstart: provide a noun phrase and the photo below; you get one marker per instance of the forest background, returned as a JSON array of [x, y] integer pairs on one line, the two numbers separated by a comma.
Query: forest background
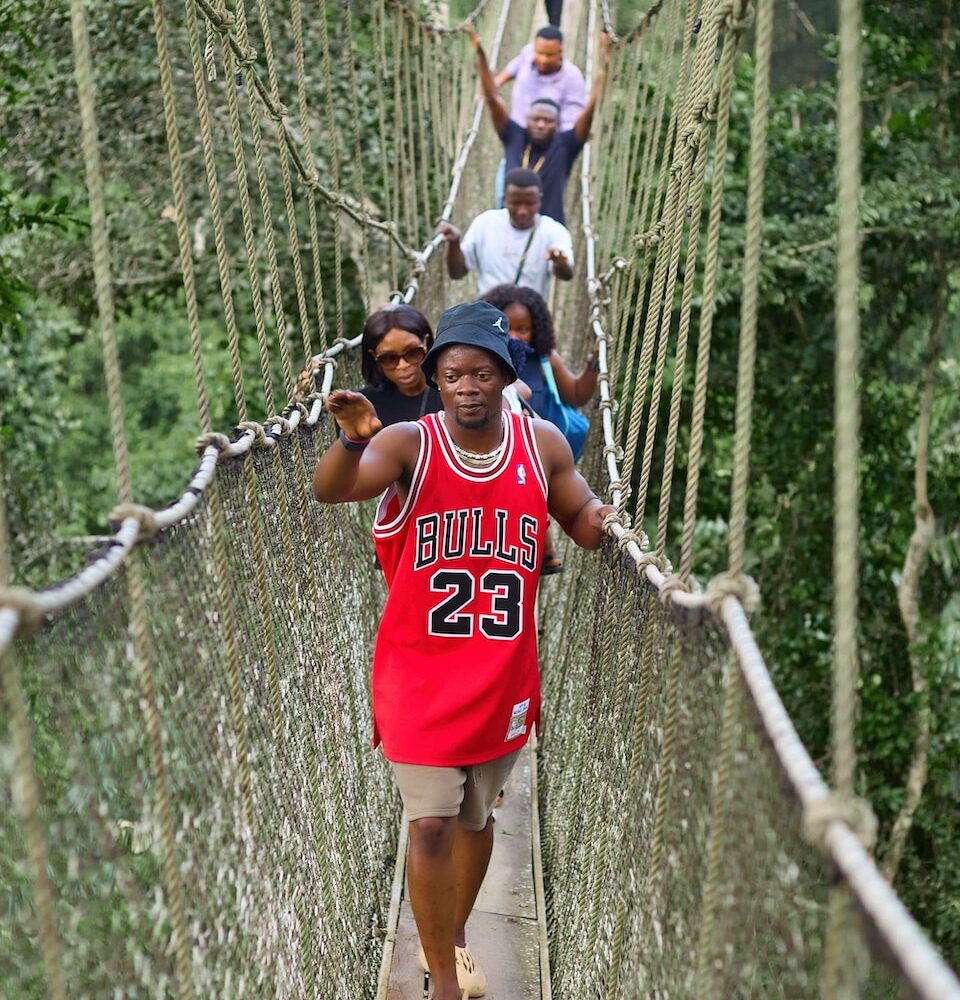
[[57, 466]]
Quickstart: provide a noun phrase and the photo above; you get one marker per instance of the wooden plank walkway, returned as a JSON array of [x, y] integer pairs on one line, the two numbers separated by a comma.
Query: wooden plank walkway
[[503, 931]]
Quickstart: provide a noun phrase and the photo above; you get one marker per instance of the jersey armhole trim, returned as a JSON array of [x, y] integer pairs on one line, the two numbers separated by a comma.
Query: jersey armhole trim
[[530, 439], [385, 530]]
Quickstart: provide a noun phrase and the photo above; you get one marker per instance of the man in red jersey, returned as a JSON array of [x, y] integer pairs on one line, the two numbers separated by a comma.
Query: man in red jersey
[[460, 534]]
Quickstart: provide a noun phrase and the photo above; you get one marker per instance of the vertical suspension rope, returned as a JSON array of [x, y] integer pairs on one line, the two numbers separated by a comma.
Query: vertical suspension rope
[[696, 131], [266, 209], [231, 71], [659, 305], [743, 11], [334, 158], [841, 977], [633, 423], [142, 661], [26, 784], [200, 63], [293, 237], [751, 278], [401, 153], [847, 411], [732, 684], [303, 114], [416, 220], [380, 74], [347, 25]]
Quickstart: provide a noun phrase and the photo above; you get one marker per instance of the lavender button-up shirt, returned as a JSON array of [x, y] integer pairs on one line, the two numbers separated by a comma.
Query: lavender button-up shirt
[[566, 87]]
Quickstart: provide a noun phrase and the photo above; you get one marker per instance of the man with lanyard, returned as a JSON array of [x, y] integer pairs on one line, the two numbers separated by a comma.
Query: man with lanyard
[[541, 145], [512, 245], [459, 533]]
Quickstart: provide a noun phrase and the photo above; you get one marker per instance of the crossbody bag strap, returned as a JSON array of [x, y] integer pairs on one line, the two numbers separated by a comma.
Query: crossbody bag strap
[[523, 256], [552, 386]]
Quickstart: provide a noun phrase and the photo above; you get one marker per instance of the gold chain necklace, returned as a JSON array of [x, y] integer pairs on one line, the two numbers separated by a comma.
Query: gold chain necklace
[[476, 459]]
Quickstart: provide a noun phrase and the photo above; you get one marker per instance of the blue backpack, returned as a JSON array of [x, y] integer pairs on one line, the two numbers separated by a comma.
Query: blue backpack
[[571, 421]]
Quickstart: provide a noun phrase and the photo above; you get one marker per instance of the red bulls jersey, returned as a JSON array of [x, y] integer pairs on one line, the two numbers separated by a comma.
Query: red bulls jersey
[[455, 674]]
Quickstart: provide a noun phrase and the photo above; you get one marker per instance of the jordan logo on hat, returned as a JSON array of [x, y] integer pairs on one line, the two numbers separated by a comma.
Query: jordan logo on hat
[[499, 324]]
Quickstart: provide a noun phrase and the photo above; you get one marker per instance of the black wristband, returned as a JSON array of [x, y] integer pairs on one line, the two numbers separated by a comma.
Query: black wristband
[[352, 445]]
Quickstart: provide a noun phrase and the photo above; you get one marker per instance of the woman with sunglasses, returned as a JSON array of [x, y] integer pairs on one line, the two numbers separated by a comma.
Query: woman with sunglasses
[[395, 341]]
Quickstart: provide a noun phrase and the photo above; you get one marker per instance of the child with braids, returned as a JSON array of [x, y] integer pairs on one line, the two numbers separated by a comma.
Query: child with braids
[[541, 368]]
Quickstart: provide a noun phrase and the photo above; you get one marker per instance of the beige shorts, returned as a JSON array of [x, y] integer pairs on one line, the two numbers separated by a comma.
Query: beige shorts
[[466, 792]]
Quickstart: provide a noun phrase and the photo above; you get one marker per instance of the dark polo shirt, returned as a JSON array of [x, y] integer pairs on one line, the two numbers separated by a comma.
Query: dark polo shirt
[[558, 155]]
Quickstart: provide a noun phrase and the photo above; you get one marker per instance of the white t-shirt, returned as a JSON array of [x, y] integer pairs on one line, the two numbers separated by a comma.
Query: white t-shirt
[[493, 248]]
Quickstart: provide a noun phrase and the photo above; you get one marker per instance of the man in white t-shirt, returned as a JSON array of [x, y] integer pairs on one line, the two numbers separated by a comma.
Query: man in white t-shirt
[[512, 245]]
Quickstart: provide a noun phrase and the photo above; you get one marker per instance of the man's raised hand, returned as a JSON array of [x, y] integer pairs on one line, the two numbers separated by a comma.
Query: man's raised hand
[[354, 413], [471, 32], [449, 232]]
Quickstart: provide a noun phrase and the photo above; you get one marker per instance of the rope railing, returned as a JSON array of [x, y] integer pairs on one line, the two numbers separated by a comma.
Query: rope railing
[[233, 735], [842, 832], [22, 612]]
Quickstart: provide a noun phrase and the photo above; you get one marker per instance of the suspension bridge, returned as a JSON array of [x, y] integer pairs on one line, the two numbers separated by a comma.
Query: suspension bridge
[[212, 821]]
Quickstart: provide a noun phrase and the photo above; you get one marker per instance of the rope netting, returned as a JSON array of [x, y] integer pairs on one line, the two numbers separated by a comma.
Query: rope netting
[[690, 846], [195, 808]]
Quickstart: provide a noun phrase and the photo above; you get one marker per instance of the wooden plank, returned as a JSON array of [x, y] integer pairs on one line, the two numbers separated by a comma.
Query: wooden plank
[[393, 915]]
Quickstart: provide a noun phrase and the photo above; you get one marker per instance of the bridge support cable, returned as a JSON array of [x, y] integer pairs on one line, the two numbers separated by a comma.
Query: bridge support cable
[[182, 728], [837, 831], [245, 932]]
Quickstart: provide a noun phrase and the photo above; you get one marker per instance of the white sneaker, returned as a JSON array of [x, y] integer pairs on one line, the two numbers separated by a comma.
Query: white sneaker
[[470, 976]]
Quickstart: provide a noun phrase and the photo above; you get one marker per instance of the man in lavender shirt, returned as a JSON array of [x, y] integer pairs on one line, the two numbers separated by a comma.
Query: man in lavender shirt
[[541, 71]]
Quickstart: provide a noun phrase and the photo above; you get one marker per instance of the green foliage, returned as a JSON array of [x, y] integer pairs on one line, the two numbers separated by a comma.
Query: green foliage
[[911, 245], [55, 430]]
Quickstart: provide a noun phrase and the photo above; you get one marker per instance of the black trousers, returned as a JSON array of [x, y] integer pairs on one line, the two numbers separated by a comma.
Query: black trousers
[[554, 10]]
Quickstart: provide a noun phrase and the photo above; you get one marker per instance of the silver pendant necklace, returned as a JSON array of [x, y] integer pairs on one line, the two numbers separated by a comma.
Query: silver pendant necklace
[[476, 459]]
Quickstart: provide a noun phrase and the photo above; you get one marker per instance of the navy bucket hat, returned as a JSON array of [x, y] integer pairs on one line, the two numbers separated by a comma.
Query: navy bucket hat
[[474, 324]]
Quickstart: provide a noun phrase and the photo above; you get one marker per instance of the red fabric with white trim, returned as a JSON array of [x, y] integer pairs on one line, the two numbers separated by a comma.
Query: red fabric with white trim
[[456, 679]]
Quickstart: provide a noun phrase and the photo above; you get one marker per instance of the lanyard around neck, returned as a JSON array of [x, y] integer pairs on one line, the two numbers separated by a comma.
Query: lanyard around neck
[[525, 162]]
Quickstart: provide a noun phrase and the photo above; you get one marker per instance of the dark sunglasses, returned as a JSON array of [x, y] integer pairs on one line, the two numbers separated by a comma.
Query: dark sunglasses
[[390, 359]]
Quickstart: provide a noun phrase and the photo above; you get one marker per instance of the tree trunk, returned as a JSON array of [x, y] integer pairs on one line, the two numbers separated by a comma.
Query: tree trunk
[[908, 598]]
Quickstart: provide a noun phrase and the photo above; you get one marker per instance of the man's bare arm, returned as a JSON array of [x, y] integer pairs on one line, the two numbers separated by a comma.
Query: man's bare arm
[[570, 500], [456, 262], [498, 109], [581, 127], [344, 474]]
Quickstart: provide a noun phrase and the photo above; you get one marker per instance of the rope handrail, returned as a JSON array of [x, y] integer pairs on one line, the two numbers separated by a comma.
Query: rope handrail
[[918, 961], [54, 599], [430, 26]]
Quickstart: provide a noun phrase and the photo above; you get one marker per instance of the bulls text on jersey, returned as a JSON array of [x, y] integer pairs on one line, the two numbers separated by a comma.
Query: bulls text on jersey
[[478, 533]]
